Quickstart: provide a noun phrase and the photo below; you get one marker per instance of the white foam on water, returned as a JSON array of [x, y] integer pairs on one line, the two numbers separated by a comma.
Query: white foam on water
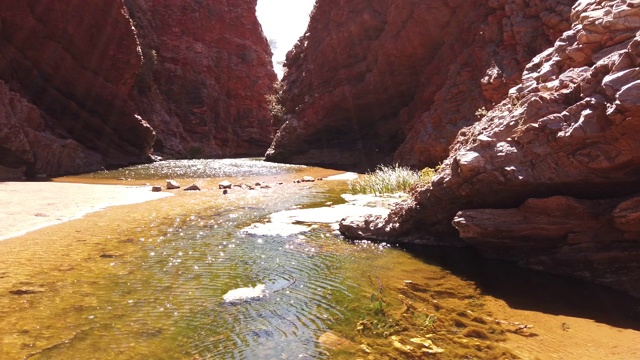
[[245, 294]]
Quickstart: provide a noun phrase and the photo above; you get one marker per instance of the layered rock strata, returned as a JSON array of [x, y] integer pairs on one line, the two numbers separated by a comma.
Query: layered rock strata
[[382, 81], [75, 83], [548, 178], [205, 77], [66, 71]]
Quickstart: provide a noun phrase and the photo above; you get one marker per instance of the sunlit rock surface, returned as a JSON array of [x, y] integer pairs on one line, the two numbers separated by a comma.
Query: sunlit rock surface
[[66, 72], [548, 178], [205, 76], [381, 81], [289, 222]]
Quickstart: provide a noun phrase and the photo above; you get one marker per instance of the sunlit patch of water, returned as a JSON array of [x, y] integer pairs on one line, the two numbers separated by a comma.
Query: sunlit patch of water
[[198, 169]]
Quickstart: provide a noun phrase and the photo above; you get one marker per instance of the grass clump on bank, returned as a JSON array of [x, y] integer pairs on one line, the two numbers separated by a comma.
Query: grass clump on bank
[[389, 180]]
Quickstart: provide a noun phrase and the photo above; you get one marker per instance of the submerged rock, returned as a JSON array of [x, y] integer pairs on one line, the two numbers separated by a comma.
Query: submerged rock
[[240, 295], [288, 222], [111, 255], [27, 291], [335, 342], [274, 229]]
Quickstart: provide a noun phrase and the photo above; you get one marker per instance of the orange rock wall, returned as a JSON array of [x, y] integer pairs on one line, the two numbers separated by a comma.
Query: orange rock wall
[[205, 77], [80, 79], [550, 176], [66, 71], [383, 81]]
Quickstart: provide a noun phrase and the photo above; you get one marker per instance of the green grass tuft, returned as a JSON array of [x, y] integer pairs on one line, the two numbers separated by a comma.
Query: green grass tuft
[[389, 180]]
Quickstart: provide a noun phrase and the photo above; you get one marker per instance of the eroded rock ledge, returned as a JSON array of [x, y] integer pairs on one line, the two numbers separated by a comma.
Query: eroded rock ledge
[[548, 178]]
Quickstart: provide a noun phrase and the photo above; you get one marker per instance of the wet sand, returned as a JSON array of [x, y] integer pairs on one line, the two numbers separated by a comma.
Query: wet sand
[[28, 206], [561, 337]]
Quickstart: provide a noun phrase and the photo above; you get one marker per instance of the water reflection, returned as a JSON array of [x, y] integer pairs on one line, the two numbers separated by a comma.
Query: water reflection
[[530, 290], [152, 286]]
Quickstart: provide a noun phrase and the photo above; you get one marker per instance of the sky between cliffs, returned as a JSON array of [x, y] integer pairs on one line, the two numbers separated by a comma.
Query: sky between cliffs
[[283, 21]]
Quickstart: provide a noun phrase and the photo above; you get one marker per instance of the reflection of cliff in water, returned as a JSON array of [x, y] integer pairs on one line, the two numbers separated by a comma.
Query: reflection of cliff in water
[[536, 291]]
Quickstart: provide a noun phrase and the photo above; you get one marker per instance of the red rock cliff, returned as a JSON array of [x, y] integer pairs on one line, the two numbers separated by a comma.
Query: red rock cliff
[[381, 81], [206, 72], [550, 177], [66, 71]]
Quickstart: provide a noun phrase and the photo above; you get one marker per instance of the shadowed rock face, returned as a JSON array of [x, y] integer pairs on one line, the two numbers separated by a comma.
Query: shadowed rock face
[[206, 72], [549, 177], [381, 81], [73, 78], [66, 70]]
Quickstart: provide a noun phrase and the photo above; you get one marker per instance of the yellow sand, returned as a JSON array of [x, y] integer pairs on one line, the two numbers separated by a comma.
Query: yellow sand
[[28, 206]]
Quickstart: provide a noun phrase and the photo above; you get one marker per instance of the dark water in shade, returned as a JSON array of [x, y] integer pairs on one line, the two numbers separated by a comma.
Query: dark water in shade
[[146, 281]]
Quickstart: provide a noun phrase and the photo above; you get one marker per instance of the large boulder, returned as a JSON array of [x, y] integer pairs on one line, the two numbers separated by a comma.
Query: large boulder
[[205, 77], [380, 80], [66, 72], [570, 129]]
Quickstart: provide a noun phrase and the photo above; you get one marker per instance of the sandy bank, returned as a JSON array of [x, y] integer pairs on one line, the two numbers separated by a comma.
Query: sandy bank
[[28, 206]]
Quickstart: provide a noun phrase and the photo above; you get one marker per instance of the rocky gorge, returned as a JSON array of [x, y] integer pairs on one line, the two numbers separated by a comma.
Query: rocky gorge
[[379, 81], [528, 108], [88, 86]]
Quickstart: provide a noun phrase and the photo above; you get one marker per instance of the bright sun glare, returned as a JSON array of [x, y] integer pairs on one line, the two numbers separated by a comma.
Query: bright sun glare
[[283, 22]]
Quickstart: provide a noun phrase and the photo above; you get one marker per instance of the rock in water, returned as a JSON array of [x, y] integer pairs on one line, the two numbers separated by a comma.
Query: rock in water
[[193, 187], [172, 185], [225, 185], [240, 295]]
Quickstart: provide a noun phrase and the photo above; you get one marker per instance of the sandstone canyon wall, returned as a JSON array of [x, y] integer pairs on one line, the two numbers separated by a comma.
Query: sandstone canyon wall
[[383, 81], [205, 76], [66, 70], [550, 177], [78, 82]]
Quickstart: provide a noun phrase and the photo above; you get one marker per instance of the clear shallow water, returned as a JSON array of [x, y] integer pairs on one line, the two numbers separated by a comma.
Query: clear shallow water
[[146, 282]]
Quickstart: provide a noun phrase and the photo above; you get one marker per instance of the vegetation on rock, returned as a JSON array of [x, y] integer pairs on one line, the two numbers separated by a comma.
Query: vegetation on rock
[[390, 180]]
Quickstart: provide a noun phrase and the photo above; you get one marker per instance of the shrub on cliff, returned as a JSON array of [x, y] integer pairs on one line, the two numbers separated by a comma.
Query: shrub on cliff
[[144, 79], [275, 104]]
